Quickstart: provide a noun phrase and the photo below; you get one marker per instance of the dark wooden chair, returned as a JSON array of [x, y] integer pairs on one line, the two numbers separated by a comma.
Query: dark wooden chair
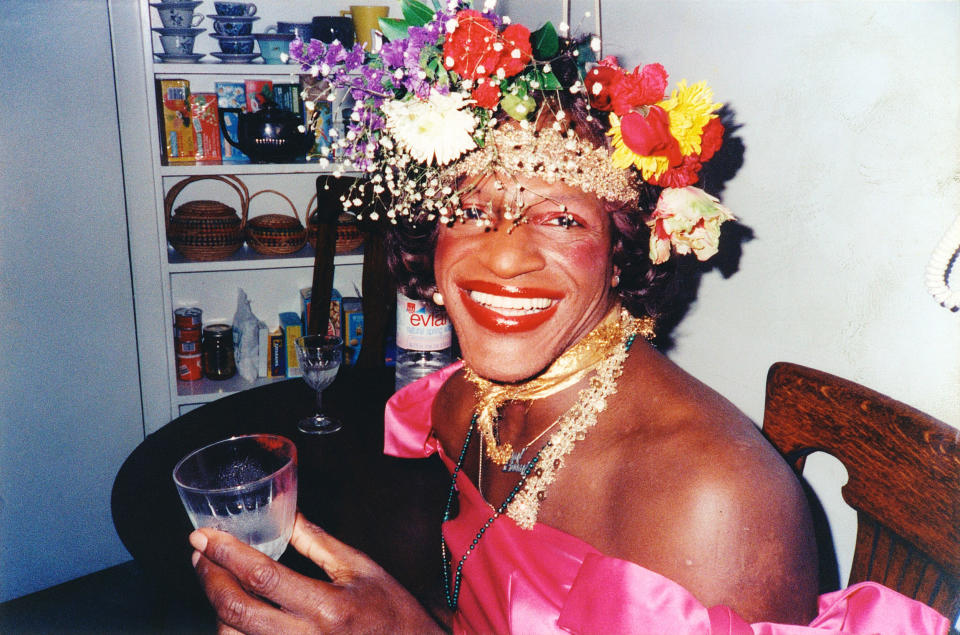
[[903, 477]]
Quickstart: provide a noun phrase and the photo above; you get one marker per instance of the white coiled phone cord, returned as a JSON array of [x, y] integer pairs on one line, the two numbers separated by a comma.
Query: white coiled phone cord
[[938, 270]]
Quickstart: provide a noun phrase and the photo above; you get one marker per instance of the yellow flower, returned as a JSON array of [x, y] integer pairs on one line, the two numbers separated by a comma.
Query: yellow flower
[[690, 109]]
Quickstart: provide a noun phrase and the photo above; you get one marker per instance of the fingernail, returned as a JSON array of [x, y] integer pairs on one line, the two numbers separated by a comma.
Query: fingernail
[[198, 541], [195, 558]]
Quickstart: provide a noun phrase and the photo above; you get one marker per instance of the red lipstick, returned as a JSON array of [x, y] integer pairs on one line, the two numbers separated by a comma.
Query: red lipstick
[[494, 321]]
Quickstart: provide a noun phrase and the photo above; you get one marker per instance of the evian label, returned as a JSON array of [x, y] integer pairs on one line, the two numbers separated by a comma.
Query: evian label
[[419, 328]]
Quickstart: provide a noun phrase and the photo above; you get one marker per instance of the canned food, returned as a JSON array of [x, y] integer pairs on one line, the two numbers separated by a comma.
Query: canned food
[[218, 356], [187, 347], [188, 317], [187, 334], [189, 367]]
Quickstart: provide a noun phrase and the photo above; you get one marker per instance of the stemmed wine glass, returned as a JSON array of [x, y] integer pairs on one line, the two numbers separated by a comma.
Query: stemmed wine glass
[[320, 357]]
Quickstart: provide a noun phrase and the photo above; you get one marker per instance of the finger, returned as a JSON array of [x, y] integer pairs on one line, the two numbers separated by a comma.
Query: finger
[[225, 629], [341, 562], [235, 607], [260, 575]]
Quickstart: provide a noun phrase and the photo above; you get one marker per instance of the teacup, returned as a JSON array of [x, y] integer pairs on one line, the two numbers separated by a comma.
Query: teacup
[[178, 15], [273, 46], [366, 19], [330, 28], [302, 30], [226, 26], [177, 44], [236, 45], [235, 8]]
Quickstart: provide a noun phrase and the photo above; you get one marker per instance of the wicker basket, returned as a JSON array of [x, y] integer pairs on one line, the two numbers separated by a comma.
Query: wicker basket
[[206, 230], [349, 237], [276, 234]]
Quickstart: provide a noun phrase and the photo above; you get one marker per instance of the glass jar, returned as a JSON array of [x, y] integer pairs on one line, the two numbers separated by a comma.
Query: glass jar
[[218, 358]]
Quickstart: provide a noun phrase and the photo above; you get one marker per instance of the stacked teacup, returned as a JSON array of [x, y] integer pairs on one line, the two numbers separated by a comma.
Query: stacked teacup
[[233, 28], [178, 33]]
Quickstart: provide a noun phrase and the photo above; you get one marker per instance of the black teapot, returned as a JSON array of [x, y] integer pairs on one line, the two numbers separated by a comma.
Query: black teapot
[[270, 135]]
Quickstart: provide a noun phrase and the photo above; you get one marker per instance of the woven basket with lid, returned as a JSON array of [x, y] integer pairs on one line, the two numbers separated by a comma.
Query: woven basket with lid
[[349, 237], [276, 234], [206, 230]]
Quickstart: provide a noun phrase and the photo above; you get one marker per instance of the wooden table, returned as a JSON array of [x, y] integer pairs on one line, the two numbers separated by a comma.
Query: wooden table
[[387, 507]]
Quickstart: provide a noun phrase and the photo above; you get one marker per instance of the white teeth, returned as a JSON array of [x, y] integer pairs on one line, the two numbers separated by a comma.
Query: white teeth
[[510, 305]]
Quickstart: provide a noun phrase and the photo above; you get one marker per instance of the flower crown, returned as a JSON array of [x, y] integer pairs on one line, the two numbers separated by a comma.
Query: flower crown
[[453, 92]]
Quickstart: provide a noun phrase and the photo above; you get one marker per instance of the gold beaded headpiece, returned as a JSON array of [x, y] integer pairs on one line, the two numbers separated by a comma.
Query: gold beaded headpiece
[[551, 156]]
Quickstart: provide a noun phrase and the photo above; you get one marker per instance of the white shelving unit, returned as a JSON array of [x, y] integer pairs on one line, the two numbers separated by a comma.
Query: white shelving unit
[[165, 280]]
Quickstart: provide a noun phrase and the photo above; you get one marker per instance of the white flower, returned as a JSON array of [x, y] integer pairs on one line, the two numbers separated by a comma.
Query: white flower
[[437, 129]]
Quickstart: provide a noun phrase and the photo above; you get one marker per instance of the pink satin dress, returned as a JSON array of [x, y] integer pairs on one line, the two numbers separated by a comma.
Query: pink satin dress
[[543, 580]]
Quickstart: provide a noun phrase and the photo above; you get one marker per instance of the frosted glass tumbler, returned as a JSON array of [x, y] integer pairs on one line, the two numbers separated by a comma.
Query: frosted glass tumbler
[[245, 486]]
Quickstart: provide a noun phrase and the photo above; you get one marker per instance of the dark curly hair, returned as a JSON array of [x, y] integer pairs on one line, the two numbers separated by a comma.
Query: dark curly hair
[[645, 288]]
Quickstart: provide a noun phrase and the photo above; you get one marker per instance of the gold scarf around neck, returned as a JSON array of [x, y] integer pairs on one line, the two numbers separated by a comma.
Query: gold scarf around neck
[[565, 371]]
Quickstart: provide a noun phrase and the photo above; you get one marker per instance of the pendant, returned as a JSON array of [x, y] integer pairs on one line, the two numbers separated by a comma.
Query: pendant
[[514, 464]]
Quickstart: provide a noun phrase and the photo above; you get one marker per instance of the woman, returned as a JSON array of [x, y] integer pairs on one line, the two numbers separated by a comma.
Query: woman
[[595, 486]]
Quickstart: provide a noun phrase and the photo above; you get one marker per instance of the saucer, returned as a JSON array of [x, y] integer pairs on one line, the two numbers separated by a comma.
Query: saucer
[[239, 58], [174, 31], [233, 18], [175, 58], [175, 5]]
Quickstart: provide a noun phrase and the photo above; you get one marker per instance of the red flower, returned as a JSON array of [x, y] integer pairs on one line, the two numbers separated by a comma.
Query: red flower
[[711, 140], [650, 135], [515, 37], [687, 173], [487, 94], [598, 83], [643, 87], [468, 51]]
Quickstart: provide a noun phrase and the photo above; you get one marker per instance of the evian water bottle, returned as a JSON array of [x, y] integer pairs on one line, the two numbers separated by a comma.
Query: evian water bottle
[[424, 340]]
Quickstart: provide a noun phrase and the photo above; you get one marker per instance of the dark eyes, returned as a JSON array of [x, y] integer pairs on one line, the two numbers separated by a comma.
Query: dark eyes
[[473, 213], [567, 221]]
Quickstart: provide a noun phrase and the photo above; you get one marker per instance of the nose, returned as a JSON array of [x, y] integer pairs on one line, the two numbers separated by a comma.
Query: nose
[[511, 253]]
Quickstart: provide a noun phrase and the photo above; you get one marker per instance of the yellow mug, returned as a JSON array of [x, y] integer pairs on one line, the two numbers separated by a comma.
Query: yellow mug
[[365, 19]]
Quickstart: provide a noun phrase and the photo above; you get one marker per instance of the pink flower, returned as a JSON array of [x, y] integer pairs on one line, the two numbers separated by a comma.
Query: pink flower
[[650, 135], [686, 220]]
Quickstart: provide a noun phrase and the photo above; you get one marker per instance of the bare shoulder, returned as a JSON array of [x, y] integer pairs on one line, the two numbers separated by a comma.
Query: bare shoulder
[[731, 520]]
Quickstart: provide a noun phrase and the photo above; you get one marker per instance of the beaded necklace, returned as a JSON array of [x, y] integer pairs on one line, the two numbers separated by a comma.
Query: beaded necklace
[[573, 425]]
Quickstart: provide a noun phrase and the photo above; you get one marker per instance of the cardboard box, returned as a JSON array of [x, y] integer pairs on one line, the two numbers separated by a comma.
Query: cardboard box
[[179, 143], [334, 325], [258, 92], [203, 110], [231, 95], [277, 354], [287, 97], [292, 329], [352, 329]]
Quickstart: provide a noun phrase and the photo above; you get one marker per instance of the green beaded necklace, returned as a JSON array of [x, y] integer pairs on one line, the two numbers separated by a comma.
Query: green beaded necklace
[[454, 595]]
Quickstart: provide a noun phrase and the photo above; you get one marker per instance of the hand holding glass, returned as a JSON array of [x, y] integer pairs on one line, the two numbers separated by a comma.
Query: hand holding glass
[[320, 357], [245, 486]]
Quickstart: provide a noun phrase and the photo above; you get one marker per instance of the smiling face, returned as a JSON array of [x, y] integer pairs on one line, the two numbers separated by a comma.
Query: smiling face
[[519, 298]]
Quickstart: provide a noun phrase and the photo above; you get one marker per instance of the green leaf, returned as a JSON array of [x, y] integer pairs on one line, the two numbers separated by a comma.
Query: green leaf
[[393, 29], [545, 42], [548, 81], [416, 13]]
